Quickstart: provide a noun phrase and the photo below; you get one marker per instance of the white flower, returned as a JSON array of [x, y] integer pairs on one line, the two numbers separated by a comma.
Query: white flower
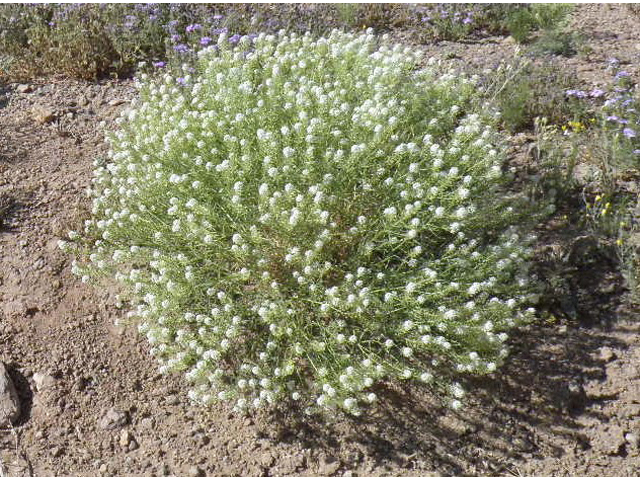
[[390, 211]]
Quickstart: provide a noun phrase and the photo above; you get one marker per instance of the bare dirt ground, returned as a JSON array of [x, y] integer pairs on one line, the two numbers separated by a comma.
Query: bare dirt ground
[[567, 402]]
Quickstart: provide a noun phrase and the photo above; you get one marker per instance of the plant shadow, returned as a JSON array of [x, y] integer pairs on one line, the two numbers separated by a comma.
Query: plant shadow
[[531, 408]]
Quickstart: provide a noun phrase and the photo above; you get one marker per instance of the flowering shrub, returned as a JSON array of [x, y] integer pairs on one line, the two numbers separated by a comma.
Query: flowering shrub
[[302, 218]]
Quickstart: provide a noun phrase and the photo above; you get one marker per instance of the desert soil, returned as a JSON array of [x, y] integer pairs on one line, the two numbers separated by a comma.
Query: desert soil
[[566, 403]]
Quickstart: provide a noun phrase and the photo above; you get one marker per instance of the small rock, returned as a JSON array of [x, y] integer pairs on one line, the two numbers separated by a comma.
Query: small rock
[[606, 354], [103, 468], [24, 88], [43, 381], [632, 439], [43, 114], [196, 471], [133, 445], [147, 423], [116, 102], [173, 400], [125, 438], [9, 402], [113, 419], [57, 451]]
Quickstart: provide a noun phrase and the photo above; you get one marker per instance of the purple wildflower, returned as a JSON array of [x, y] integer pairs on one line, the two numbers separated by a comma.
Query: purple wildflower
[[175, 38], [181, 48], [218, 17], [637, 152], [159, 64], [235, 38], [596, 93], [622, 74], [576, 93], [629, 133], [193, 27], [181, 80], [205, 41], [467, 20], [612, 118]]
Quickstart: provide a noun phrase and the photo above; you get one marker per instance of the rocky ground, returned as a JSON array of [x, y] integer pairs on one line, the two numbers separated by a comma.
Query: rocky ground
[[91, 401]]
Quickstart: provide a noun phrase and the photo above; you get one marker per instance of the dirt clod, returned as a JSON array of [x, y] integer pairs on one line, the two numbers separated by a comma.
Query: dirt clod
[[113, 419], [42, 114]]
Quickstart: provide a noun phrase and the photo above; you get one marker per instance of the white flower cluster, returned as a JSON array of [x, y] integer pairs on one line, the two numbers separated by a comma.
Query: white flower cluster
[[304, 217]]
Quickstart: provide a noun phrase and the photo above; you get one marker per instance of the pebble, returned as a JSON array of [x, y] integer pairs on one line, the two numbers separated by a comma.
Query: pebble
[[103, 468], [9, 401], [606, 354], [43, 381], [632, 439], [23, 88], [196, 471], [147, 423], [125, 438], [113, 419]]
